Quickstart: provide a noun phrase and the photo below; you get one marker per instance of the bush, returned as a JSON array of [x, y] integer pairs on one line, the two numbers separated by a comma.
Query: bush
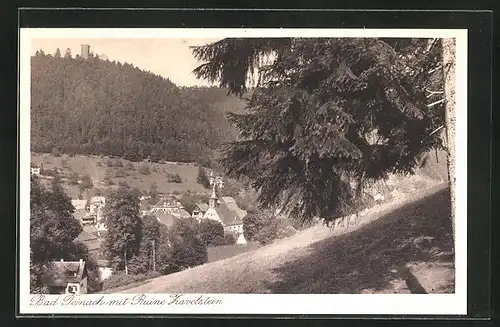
[[64, 163], [202, 178], [56, 152], [174, 178], [108, 180], [260, 227], [229, 239], [73, 179], [122, 279], [188, 250], [144, 169], [211, 232], [120, 173], [86, 182]]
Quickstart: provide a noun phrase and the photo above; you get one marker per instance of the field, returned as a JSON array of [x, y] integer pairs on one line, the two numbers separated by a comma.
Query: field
[[96, 167], [402, 240]]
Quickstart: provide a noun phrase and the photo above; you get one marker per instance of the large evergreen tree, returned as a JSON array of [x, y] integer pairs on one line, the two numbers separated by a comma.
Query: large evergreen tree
[[325, 117]]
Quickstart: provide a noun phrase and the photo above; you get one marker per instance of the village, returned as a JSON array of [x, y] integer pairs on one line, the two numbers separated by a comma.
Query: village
[[168, 180], [70, 276]]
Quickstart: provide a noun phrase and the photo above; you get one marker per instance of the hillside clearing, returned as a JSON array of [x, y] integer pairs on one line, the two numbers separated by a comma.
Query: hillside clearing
[[96, 168], [368, 259]]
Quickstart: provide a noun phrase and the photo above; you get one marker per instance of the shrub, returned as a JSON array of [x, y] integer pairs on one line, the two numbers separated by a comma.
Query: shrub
[[211, 232], [64, 163], [108, 180], [122, 279], [87, 182], [174, 178], [56, 152], [267, 234], [202, 178], [188, 250], [73, 179], [120, 173], [260, 227], [229, 239], [144, 169]]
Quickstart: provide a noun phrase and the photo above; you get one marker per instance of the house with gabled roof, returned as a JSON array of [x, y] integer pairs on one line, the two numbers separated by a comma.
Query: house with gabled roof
[[79, 204], [165, 218], [226, 211], [166, 205], [199, 210], [66, 277]]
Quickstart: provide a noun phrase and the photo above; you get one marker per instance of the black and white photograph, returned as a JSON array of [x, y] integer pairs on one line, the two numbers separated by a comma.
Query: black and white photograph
[[201, 171]]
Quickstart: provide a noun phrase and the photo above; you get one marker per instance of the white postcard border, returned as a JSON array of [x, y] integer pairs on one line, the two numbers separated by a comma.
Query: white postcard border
[[428, 304]]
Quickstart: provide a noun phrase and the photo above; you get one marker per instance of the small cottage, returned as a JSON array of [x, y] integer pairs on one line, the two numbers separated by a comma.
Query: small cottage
[[66, 277]]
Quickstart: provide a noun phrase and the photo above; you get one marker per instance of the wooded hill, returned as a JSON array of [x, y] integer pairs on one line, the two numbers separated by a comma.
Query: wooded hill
[[93, 106]]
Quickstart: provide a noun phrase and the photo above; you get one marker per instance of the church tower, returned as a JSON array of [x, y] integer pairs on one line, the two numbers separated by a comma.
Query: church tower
[[212, 201]]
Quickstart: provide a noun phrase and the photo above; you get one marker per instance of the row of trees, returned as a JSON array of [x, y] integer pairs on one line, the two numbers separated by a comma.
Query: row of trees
[[139, 245], [135, 245], [100, 107]]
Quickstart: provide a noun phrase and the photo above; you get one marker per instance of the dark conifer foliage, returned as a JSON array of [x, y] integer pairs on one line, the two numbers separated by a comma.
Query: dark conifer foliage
[[94, 106], [325, 115]]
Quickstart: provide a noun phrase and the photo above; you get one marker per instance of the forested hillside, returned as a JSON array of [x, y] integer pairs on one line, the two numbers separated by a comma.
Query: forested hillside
[[92, 106]]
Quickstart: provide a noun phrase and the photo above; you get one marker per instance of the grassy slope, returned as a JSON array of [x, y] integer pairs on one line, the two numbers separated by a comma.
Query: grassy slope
[[96, 168], [365, 259]]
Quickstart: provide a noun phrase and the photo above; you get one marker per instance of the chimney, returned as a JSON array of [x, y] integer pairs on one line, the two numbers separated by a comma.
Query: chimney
[[62, 260], [81, 262], [85, 51]]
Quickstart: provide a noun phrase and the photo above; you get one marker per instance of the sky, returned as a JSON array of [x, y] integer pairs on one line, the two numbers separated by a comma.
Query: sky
[[168, 57]]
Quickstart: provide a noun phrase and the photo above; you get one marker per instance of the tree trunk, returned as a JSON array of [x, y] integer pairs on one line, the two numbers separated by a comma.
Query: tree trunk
[[125, 256], [449, 59], [154, 257]]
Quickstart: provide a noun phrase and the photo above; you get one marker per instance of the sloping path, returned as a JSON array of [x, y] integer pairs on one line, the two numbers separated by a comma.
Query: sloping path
[[365, 258]]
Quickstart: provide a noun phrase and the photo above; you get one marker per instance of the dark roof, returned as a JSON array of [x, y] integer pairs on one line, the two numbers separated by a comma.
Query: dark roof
[[86, 236], [102, 263], [59, 273], [228, 216], [181, 213], [80, 214], [144, 205], [165, 218], [226, 199], [168, 202], [202, 206], [90, 238]]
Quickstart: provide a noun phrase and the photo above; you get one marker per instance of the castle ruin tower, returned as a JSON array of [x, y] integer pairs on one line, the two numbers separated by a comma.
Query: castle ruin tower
[[85, 51]]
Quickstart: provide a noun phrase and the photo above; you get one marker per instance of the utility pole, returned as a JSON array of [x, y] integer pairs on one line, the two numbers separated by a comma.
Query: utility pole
[[154, 256], [125, 256]]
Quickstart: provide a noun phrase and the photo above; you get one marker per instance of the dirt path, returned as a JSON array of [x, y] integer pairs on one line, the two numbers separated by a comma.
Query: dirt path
[[364, 258]]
